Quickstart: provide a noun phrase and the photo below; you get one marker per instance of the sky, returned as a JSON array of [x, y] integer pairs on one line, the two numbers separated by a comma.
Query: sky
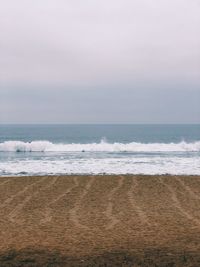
[[108, 61]]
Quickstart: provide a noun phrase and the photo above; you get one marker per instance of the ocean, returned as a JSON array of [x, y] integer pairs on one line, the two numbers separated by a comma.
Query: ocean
[[99, 149]]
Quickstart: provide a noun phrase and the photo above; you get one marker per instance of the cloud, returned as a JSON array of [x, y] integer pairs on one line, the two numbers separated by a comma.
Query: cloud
[[74, 61], [82, 43]]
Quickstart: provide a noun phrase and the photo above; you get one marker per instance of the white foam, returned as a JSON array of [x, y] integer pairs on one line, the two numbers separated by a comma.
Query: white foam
[[46, 146], [131, 165], [73, 161]]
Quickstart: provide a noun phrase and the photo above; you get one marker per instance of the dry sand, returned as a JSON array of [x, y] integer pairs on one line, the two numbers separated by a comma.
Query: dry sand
[[100, 221]]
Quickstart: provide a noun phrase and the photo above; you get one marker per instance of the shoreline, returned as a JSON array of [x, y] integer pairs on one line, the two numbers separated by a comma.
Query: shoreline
[[99, 175], [82, 220]]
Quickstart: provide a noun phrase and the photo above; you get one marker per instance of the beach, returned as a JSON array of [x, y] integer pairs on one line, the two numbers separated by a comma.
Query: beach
[[102, 220]]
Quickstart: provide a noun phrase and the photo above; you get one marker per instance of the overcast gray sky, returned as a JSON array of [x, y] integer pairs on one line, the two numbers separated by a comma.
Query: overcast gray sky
[[108, 61]]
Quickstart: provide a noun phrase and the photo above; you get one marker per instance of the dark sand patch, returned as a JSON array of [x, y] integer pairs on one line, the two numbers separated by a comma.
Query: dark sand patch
[[145, 258]]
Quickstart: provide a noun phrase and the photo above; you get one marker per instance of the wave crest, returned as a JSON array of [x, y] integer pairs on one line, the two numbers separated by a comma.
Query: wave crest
[[103, 146]]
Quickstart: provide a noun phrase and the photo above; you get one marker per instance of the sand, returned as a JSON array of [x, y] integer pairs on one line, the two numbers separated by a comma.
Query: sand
[[100, 221]]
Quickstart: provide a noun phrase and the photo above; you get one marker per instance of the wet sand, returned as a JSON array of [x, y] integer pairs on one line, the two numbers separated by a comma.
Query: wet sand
[[100, 221]]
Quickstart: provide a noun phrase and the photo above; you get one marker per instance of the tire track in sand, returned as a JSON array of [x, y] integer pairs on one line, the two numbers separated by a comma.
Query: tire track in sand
[[48, 209], [177, 204], [109, 210], [5, 182], [187, 188], [21, 192], [73, 213], [141, 214], [16, 211]]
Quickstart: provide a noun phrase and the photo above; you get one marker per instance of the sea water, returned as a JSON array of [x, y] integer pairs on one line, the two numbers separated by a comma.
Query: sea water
[[99, 149]]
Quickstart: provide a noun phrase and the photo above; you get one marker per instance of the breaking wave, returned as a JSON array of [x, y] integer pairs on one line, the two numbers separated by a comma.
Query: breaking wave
[[103, 146]]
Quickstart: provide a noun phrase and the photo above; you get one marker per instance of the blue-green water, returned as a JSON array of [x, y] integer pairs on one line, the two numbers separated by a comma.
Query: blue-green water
[[87, 149], [94, 133]]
